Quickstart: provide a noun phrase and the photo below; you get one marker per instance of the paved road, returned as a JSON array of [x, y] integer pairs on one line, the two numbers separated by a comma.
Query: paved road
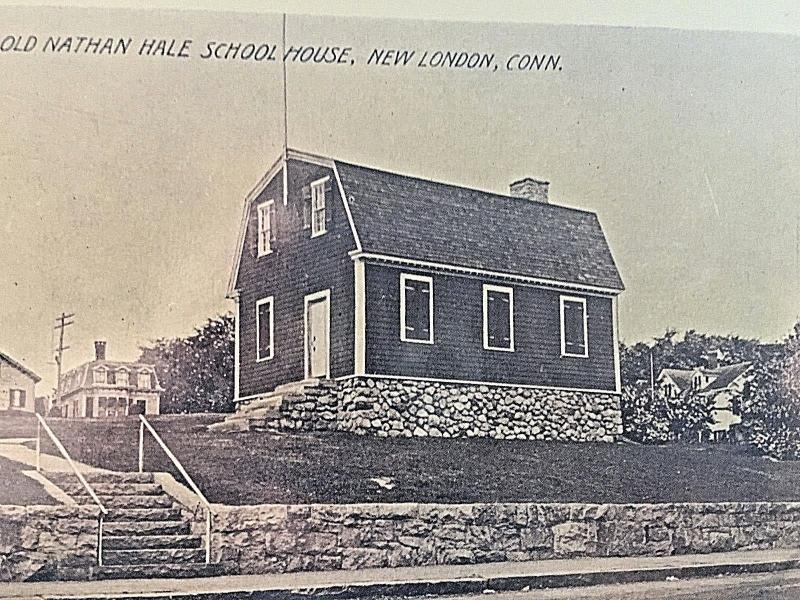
[[770, 586]]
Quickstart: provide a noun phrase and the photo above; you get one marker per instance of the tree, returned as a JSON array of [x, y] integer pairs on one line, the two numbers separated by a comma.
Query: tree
[[771, 415], [650, 417], [196, 371]]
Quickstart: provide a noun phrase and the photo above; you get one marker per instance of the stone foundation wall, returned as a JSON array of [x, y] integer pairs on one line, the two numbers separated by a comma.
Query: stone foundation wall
[[36, 541], [272, 538], [402, 407]]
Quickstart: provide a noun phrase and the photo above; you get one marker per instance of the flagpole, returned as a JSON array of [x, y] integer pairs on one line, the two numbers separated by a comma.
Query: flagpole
[[285, 102], [285, 117]]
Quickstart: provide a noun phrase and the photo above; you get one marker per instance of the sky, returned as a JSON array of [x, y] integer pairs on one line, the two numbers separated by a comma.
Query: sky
[[122, 177]]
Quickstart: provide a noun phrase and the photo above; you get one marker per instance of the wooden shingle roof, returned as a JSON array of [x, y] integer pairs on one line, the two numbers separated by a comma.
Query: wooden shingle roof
[[424, 220]]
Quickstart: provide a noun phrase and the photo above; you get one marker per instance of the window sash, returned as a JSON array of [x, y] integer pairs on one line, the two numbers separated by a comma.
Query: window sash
[[318, 208], [265, 320], [574, 335], [498, 318], [265, 216], [417, 309]]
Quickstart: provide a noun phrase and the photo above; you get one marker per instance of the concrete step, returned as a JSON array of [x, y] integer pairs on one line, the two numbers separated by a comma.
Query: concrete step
[[138, 515], [269, 425], [260, 413], [128, 528], [100, 477], [295, 386], [271, 401], [159, 571], [113, 489], [230, 425], [125, 501], [171, 556], [147, 542]]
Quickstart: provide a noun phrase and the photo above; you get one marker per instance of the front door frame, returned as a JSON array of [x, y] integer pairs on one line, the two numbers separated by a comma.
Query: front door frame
[[308, 300]]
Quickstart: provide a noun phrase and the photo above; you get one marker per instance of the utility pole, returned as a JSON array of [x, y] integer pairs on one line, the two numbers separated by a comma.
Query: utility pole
[[652, 378], [62, 323]]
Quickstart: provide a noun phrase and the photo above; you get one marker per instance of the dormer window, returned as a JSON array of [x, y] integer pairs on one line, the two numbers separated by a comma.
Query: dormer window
[[111, 378], [144, 380], [99, 375], [122, 377], [318, 203], [266, 216]]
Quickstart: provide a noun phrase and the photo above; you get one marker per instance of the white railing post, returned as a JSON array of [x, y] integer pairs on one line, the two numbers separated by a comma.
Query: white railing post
[[103, 511], [189, 480], [38, 447], [141, 447], [100, 541], [208, 535]]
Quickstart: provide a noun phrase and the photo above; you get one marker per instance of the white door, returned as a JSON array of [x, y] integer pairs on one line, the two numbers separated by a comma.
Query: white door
[[317, 334]]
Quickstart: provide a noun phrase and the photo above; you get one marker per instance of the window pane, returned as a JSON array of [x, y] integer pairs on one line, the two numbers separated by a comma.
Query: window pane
[[573, 327], [318, 208], [498, 319], [265, 213], [418, 316], [264, 337]]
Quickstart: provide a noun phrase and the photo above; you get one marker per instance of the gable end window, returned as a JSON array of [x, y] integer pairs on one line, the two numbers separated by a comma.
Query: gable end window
[[265, 320], [266, 218], [318, 205], [574, 335], [498, 318], [416, 308]]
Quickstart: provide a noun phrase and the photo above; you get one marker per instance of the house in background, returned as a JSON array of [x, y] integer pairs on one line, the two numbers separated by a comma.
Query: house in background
[[104, 388], [725, 387], [438, 294], [17, 385]]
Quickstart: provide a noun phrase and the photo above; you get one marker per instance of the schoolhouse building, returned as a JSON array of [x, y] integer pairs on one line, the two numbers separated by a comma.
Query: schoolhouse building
[[395, 305]]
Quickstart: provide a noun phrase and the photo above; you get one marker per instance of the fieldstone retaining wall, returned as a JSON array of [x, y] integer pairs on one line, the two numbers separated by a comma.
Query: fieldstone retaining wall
[[36, 541], [404, 407], [281, 538]]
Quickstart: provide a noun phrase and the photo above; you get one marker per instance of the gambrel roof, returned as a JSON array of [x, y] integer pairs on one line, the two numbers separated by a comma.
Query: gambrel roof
[[424, 220], [411, 218]]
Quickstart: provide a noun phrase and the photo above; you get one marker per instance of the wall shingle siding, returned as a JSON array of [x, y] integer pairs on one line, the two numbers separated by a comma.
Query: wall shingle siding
[[299, 265], [458, 353]]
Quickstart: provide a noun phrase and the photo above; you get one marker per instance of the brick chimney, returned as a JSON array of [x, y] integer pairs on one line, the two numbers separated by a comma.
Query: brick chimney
[[530, 188], [99, 350]]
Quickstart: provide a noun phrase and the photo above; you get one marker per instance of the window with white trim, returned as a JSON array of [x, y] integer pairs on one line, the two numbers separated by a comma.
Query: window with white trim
[[498, 318], [144, 382], [17, 398], [265, 320], [574, 335], [318, 207], [122, 377], [416, 308], [266, 216], [100, 375]]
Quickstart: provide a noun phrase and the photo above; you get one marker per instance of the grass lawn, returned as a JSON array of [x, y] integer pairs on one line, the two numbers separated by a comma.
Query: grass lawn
[[252, 468], [17, 424], [17, 488]]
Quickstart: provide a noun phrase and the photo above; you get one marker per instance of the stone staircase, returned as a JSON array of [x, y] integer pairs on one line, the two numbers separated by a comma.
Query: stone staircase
[[145, 533], [269, 412]]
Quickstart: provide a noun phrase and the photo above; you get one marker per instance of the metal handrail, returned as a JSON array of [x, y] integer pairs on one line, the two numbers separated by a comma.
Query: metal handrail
[[145, 423], [41, 423]]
